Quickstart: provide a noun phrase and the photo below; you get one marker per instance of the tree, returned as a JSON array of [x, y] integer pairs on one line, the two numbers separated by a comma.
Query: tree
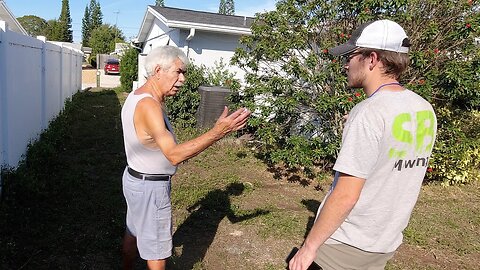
[[86, 27], [53, 31], [96, 16], [299, 90], [92, 18], [65, 23], [159, 3], [129, 68], [103, 39], [226, 7], [34, 25]]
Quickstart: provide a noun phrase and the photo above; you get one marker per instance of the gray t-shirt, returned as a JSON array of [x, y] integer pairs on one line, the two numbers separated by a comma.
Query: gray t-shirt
[[387, 140]]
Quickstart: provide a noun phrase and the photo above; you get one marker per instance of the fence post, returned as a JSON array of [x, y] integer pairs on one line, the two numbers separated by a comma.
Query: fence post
[[43, 84], [62, 101], [3, 100]]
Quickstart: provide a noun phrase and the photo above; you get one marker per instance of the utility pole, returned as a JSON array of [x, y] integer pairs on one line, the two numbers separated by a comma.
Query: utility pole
[[116, 19]]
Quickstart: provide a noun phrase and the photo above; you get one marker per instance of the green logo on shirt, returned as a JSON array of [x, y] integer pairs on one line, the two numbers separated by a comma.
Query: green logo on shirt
[[420, 138]]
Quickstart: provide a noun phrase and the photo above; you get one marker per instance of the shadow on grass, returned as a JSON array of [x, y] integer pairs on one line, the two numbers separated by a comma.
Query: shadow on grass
[[196, 234], [312, 206], [63, 207]]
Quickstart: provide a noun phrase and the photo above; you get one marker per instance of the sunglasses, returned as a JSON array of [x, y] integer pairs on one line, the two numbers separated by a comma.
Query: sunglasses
[[350, 56]]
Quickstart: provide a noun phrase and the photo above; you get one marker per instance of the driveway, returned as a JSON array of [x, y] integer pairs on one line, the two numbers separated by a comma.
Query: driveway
[[89, 79]]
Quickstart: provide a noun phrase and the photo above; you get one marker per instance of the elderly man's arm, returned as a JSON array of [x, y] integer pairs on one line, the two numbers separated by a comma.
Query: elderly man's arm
[[336, 209], [150, 113]]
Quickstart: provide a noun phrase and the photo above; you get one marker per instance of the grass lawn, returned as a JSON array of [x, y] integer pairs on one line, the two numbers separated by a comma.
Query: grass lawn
[[64, 208]]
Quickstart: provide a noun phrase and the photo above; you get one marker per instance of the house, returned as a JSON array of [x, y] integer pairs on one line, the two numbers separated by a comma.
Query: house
[[120, 49], [12, 23], [206, 38]]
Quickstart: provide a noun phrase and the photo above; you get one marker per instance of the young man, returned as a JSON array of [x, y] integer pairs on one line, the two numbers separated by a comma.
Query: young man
[[386, 144], [153, 155]]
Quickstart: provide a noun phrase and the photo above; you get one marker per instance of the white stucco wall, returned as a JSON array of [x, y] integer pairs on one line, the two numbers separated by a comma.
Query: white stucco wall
[[207, 48], [160, 35]]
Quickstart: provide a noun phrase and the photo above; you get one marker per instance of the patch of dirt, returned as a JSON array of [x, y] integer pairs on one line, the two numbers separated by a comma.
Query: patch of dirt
[[410, 256], [89, 75]]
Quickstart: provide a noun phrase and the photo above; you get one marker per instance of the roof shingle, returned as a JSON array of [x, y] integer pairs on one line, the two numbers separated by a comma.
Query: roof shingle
[[201, 17]]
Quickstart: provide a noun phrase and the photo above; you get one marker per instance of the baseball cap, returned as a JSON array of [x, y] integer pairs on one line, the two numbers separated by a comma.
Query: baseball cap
[[382, 34]]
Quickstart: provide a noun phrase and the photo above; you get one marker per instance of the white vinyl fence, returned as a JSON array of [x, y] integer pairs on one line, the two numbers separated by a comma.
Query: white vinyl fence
[[36, 78]]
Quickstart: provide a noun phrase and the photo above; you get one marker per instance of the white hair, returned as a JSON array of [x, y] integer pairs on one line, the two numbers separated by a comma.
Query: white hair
[[163, 56]]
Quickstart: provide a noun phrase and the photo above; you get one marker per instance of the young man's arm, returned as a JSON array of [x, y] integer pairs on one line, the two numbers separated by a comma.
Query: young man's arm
[[333, 213]]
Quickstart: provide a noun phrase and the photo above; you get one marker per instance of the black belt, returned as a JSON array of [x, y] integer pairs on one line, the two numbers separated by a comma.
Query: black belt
[[149, 177]]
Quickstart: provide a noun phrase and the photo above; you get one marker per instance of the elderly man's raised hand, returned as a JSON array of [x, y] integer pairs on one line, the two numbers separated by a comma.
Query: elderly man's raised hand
[[233, 122]]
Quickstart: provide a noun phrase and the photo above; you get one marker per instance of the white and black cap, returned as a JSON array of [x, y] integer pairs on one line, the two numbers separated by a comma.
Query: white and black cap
[[383, 35]]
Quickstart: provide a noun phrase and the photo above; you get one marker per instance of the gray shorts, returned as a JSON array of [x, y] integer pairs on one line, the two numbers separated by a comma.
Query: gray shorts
[[149, 216], [341, 256]]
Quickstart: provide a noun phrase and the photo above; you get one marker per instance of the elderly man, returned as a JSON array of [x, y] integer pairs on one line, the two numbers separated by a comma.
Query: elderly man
[[153, 155], [386, 143]]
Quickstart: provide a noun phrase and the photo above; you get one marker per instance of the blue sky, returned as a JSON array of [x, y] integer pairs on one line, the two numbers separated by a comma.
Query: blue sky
[[130, 12]]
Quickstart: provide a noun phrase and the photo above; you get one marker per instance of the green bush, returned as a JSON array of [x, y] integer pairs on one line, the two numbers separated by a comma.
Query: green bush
[[456, 156], [183, 106], [128, 68], [298, 91]]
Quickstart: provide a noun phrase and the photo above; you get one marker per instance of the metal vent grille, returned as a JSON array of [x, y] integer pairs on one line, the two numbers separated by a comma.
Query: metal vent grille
[[212, 101]]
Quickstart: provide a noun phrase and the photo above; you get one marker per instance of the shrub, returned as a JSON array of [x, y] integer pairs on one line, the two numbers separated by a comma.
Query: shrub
[[456, 156], [183, 106], [128, 68]]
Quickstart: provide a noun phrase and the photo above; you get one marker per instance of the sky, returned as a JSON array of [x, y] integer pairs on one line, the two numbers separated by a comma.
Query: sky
[[126, 14]]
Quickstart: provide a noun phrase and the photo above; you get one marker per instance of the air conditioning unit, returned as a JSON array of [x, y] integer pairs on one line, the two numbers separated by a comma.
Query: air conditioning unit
[[213, 99]]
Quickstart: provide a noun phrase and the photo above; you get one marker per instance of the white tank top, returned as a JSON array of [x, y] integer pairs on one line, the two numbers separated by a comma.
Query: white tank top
[[139, 157]]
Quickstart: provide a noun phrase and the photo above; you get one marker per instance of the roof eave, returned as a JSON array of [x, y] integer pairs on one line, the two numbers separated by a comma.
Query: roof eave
[[147, 22], [151, 14], [14, 19], [209, 27]]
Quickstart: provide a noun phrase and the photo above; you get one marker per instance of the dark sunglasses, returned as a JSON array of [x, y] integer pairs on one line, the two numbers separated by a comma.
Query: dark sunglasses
[[350, 56]]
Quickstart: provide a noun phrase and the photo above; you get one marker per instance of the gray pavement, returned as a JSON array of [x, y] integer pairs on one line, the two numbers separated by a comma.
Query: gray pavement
[[106, 81]]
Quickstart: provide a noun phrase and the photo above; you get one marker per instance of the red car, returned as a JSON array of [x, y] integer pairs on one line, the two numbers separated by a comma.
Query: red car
[[112, 66]]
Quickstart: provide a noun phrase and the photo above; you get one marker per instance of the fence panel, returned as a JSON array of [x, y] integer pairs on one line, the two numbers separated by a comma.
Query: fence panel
[[36, 77], [53, 87], [24, 93]]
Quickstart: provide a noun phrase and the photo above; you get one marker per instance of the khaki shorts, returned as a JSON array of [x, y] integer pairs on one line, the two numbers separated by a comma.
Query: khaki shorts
[[341, 256]]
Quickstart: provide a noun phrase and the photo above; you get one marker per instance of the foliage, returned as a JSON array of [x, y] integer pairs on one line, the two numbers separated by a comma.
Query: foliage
[[456, 156], [159, 3], [219, 75], [128, 68], [65, 23], [103, 39], [183, 106], [298, 90], [86, 27], [53, 31], [34, 25], [226, 7], [92, 18], [96, 16]]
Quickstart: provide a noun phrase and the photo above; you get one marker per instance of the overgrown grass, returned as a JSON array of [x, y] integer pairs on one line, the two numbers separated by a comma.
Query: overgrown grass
[[63, 208]]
